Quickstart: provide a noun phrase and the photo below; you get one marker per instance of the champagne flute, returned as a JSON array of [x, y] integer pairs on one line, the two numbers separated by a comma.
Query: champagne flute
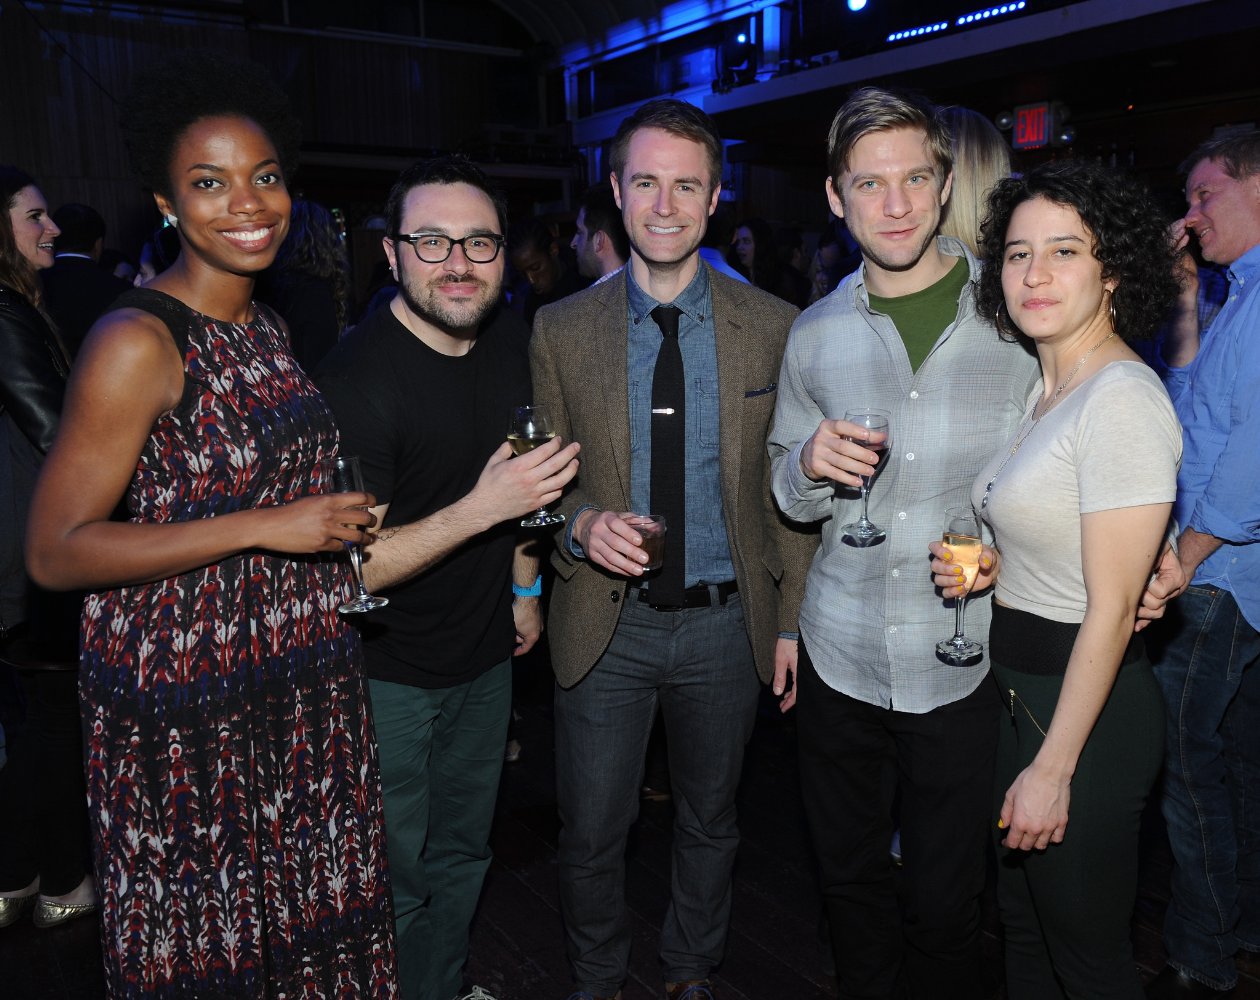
[[863, 531], [347, 477], [962, 537], [529, 427]]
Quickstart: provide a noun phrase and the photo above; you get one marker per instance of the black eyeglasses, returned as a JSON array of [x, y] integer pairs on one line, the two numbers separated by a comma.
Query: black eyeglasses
[[433, 248]]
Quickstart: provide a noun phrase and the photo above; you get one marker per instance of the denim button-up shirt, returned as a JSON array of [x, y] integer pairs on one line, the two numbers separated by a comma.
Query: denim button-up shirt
[[708, 552], [871, 617], [1217, 399]]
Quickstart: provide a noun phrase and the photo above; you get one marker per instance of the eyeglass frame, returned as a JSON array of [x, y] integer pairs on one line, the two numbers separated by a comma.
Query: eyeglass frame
[[412, 238]]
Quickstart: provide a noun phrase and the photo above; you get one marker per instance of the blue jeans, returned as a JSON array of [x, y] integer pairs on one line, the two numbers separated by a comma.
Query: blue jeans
[[441, 752], [698, 665], [1211, 781]]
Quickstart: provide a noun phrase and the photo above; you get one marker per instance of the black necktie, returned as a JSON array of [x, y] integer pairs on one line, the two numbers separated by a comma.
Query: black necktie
[[669, 450]]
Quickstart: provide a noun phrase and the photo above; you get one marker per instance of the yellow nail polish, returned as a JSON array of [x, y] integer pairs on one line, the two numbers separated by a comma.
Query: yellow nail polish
[[1001, 824]]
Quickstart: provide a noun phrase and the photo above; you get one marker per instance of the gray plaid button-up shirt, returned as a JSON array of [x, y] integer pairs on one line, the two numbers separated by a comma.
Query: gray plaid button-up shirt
[[871, 618]]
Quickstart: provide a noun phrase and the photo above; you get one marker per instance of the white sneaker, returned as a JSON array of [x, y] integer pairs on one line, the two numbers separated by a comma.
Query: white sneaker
[[477, 994]]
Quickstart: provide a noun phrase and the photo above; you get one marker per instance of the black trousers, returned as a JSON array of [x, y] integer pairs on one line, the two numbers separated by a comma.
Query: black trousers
[[1066, 911], [43, 797], [854, 759]]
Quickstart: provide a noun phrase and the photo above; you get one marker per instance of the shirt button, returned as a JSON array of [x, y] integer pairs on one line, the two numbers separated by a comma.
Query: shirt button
[[901, 516], [909, 456], [892, 628], [896, 572], [914, 394]]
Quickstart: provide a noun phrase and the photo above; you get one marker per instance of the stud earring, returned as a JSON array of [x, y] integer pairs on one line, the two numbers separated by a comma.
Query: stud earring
[[170, 221]]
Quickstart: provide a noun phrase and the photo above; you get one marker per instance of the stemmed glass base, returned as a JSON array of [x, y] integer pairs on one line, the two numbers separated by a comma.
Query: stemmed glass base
[[863, 533], [960, 651], [362, 601], [541, 518]]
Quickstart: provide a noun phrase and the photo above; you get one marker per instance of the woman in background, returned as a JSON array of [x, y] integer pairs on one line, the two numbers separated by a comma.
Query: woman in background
[[309, 284], [981, 159], [43, 806]]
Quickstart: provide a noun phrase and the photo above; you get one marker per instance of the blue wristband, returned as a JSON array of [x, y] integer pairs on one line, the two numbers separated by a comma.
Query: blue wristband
[[534, 590]]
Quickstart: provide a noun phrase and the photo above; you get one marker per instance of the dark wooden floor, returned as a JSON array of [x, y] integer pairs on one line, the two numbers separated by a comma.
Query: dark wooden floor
[[517, 947]]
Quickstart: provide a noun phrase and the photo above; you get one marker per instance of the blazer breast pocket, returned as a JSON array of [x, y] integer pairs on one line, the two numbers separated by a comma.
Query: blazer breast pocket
[[763, 391]]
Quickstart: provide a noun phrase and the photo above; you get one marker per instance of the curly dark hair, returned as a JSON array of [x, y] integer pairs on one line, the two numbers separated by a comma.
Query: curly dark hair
[[314, 247], [184, 87], [1130, 234]]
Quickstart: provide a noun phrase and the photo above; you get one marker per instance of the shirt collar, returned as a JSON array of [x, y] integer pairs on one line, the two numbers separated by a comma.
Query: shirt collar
[[1245, 267], [691, 300]]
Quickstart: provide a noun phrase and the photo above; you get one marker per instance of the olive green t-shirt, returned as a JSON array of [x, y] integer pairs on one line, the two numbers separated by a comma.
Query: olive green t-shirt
[[921, 317]]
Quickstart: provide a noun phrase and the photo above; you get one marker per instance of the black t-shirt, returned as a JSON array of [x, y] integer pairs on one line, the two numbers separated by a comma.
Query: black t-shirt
[[423, 425]]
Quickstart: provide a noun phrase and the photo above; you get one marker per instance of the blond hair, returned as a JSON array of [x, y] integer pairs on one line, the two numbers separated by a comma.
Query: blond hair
[[981, 159]]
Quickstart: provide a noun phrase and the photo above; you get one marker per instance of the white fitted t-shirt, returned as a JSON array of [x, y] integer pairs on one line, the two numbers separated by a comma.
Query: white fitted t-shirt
[[1112, 442]]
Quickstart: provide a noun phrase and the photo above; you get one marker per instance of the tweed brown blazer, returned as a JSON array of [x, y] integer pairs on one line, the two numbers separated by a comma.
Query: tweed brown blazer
[[578, 356]]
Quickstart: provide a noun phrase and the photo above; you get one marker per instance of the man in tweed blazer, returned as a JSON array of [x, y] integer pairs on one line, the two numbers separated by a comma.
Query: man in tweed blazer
[[616, 652]]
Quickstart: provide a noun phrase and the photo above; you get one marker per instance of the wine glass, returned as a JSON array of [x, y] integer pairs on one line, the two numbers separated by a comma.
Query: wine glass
[[962, 537], [863, 531], [529, 427], [347, 477]]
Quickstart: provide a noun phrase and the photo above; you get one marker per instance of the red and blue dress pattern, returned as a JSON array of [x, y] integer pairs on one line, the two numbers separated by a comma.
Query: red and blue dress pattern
[[232, 774]]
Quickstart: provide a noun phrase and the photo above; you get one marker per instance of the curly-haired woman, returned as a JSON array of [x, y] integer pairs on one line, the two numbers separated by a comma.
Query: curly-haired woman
[[231, 770], [1079, 500]]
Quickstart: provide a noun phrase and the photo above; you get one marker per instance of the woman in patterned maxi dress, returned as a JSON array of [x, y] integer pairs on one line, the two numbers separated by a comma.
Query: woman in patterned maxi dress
[[232, 776]]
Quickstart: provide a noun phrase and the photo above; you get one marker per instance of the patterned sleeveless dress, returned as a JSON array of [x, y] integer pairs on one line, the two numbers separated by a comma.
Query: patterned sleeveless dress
[[238, 835]]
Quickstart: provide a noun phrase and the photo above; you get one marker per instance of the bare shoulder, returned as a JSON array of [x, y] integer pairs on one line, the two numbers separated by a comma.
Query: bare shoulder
[[131, 353]]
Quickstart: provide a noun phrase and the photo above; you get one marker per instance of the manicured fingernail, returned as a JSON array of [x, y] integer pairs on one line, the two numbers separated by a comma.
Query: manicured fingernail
[[1001, 824]]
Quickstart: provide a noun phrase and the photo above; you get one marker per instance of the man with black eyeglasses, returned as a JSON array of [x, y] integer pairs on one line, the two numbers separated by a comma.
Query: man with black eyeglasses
[[422, 392]]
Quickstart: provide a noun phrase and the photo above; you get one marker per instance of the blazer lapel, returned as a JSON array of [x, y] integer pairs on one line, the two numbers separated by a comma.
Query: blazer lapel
[[609, 376], [732, 347]]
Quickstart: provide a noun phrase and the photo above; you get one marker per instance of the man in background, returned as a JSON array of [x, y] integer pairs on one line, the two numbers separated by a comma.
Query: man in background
[[76, 288], [600, 243]]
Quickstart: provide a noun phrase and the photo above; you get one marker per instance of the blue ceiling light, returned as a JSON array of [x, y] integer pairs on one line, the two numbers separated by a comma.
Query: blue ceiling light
[[856, 5], [989, 12], [927, 29]]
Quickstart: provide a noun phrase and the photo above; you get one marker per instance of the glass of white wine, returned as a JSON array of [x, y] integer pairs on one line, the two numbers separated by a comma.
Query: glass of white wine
[[863, 531], [962, 537], [347, 477], [529, 427]]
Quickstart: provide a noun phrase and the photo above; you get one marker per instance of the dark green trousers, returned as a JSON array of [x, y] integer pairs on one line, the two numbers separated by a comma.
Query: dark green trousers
[[441, 754]]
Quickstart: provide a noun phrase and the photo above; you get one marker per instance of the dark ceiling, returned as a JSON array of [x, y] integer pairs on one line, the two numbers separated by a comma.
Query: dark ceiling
[[1142, 85]]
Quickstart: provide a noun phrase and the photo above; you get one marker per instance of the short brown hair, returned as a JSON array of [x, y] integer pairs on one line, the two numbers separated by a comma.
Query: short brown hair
[[677, 118], [874, 109], [1237, 152]]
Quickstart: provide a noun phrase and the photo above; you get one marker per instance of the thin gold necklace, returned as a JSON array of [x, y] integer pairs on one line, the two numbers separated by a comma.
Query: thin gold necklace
[[1019, 441]]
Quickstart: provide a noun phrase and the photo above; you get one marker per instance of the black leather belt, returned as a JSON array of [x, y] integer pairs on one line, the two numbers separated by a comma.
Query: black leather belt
[[702, 595]]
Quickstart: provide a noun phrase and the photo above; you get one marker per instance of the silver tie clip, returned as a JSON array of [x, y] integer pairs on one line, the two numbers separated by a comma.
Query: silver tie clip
[[667, 411]]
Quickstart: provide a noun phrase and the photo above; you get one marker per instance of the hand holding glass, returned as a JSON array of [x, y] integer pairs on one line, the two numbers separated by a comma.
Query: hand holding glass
[[651, 528], [529, 427], [863, 531], [347, 477], [962, 538]]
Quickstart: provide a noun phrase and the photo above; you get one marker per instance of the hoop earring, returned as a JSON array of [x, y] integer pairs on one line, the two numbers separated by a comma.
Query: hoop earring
[[1111, 305]]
